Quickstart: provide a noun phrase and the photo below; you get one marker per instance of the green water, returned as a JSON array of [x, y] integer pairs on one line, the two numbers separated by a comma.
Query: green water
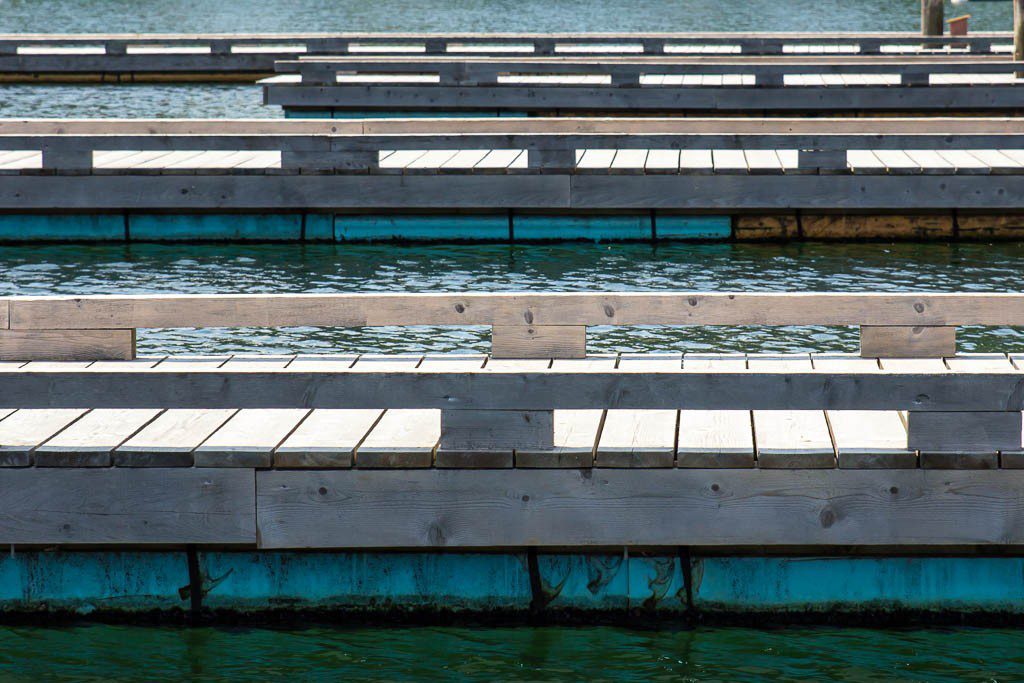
[[124, 653], [245, 101], [226, 268]]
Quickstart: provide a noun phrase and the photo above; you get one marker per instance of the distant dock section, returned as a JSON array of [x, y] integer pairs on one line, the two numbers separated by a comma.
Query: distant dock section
[[244, 57], [512, 179]]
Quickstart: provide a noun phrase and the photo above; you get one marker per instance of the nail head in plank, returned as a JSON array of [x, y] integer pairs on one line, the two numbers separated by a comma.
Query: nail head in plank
[[90, 441], [168, 441]]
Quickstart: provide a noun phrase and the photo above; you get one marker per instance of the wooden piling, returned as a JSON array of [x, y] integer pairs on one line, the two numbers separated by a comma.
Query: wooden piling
[[931, 17]]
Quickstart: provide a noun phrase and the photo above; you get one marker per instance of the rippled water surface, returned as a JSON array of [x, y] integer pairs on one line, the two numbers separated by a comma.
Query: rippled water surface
[[117, 653], [139, 268], [182, 16]]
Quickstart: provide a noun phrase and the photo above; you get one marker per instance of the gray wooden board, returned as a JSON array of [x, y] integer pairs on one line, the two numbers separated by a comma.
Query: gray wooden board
[[790, 438], [481, 508], [489, 308], [126, 506], [865, 438], [248, 438], [576, 432], [91, 440], [168, 441], [23, 431], [640, 438], [543, 191], [604, 98], [327, 438], [400, 438], [553, 389]]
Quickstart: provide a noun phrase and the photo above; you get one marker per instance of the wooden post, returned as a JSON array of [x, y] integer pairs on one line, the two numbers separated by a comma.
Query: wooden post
[[879, 341], [931, 17], [1018, 35]]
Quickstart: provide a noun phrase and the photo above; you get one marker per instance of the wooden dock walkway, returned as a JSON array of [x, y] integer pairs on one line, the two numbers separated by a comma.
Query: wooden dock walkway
[[535, 444], [512, 179], [676, 85], [244, 57]]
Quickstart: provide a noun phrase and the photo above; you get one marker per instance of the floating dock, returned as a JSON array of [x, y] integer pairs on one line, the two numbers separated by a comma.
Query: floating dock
[[689, 86], [512, 180], [531, 479], [125, 58]]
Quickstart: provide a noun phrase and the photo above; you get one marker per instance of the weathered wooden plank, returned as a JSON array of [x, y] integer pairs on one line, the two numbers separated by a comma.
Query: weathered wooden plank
[[21, 432], [168, 441], [576, 432], [963, 440], [539, 341], [90, 440], [640, 438], [907, 342], [519, 309], [715, 438], [789, 438], [326, 438], [67, 344], [402, 438], [489, 438], [126, 506], [55, 386], [248, 438], [458, 508], [873, 439]]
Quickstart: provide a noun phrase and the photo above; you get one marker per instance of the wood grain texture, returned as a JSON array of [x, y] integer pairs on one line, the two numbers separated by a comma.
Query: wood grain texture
[[790, 438], [168, 441], [907, 341], [539, 341], [920, 390], [90, 441], [327, 438], [23, 431], [640, 438], [449, 508], [515, 308], [967, 440], [121, 506], [79, 344], [248, 438]]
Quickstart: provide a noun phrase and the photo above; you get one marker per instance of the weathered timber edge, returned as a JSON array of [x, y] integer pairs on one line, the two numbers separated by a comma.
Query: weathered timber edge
[[514, 309], [691, 390], [721, 193], [452, 509]]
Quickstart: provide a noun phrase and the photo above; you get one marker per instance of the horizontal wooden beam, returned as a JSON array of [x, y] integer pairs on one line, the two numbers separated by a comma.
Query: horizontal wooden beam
[[446, 508], [139, 506], [510, 390], [433, 190], [562, 125], [512, 311]]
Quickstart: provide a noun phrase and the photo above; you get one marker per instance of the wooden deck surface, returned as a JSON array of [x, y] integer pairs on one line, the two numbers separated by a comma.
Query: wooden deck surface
[[372, 439]]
